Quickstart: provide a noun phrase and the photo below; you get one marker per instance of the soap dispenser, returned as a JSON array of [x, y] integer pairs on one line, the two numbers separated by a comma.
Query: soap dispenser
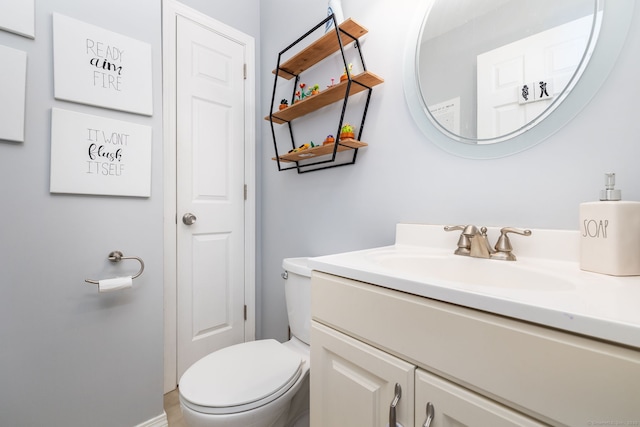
[[610, 233]]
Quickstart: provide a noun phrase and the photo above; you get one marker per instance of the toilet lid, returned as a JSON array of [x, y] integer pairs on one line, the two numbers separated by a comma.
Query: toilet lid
[[240, 377]]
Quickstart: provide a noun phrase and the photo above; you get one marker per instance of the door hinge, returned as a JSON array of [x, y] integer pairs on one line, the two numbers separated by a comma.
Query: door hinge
[[244, 71], [245, 312], [245, 191]]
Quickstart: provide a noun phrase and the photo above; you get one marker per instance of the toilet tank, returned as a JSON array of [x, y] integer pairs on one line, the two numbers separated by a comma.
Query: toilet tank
[[297, 290]]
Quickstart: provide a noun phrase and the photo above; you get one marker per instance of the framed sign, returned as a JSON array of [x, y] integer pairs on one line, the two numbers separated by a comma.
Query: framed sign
[[97, 155], [98, 67], [13, 81], [18, 16]]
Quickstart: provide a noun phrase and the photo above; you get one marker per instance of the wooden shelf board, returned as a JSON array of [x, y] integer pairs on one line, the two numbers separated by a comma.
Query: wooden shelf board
[[322, 150], [328, 96], [320, 49]]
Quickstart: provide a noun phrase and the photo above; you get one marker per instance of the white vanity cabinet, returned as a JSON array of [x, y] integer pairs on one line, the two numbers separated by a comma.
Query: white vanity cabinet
[[476, 368], [356, 386]]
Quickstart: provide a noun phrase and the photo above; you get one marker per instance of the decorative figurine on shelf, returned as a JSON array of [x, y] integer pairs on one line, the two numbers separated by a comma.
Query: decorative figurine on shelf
[[301, 94], [329, 140], [346, 132], [303, 147], [346, 75], [283, 104], [332, 82]]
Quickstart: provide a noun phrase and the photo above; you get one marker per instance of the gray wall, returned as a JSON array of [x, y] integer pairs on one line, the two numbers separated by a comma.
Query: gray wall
[[69, 356], [402, 176], [243, 15], [72, 357]]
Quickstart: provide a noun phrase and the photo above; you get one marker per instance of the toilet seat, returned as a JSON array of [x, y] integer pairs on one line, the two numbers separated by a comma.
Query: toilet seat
[[240, 378]]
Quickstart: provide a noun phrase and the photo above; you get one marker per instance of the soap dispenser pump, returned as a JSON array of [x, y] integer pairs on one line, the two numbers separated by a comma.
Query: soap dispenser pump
[[610, 233], [609, 192]]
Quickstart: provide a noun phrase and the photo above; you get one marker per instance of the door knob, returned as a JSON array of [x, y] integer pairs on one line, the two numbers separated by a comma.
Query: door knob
[[188, 218]]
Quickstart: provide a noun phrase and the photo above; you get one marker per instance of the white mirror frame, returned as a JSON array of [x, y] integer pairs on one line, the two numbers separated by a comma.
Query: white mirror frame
[[617, 16]]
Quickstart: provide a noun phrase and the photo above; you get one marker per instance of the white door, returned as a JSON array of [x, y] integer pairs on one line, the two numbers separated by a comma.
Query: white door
[[552, 55], [210, 192]]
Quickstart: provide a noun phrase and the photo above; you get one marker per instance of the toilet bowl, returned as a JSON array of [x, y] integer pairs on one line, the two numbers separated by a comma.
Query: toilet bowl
[[260, 383]]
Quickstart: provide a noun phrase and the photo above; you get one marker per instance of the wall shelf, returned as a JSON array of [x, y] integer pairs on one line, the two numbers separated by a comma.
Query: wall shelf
[[320, 49], [321, 157], [335, 93], [322, 150]]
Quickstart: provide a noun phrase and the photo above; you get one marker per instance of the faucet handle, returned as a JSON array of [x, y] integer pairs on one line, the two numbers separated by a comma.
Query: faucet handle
[[464, 245], [503, 245]]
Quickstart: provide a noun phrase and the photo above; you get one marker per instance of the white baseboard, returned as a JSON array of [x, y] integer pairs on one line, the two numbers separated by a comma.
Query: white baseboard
[[159, 421]]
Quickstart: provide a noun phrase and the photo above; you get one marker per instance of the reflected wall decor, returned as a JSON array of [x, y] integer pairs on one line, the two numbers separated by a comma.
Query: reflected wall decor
[[98, 67], [96, 155], [13, 80], [18, 16]]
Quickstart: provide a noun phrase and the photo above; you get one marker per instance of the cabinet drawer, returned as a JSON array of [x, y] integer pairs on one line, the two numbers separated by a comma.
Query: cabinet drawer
[[456, 406], [557, 377]]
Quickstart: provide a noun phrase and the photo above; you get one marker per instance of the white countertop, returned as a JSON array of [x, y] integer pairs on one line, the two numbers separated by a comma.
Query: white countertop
[[555, 292]]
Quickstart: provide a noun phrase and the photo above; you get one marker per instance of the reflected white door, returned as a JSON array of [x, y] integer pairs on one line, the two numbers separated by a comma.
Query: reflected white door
[[210, 195], [551, 55]]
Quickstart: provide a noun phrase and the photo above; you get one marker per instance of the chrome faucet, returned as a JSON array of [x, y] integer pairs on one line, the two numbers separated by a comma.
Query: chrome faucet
[[479, 244], [473, 242]]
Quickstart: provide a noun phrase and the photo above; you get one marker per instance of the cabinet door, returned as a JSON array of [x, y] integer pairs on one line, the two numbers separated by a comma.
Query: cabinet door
[[353, 384], [454, 406]]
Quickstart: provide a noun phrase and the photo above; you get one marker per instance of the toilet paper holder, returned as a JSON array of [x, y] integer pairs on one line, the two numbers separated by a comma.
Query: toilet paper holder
[[117, 256]]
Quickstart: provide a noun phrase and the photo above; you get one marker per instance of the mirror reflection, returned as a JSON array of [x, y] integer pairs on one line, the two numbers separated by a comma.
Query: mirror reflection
[[488, 70]]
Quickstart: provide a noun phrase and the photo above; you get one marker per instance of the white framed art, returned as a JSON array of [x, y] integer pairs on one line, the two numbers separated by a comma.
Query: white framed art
[[97, 155], [18, 16], [98, 67], [13, 86]]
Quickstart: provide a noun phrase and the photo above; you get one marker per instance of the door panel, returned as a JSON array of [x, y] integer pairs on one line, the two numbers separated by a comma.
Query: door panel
[[210, 314], [210, 157]]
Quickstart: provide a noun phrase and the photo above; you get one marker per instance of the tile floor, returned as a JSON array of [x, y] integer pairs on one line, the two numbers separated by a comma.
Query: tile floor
[[174, 416], [172, 408]]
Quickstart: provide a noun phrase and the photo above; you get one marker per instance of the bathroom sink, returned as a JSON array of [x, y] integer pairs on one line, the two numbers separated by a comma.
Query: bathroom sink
[[457, 269], [545, 285]]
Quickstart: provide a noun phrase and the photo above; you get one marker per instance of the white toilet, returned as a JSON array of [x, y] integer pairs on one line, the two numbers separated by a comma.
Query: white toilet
[[260, 383]]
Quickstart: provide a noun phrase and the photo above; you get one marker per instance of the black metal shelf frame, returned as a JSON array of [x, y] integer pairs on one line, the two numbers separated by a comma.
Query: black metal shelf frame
[[328, 163]]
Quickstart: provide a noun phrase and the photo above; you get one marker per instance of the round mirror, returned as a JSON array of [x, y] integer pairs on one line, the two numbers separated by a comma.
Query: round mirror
[[490, 78]]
